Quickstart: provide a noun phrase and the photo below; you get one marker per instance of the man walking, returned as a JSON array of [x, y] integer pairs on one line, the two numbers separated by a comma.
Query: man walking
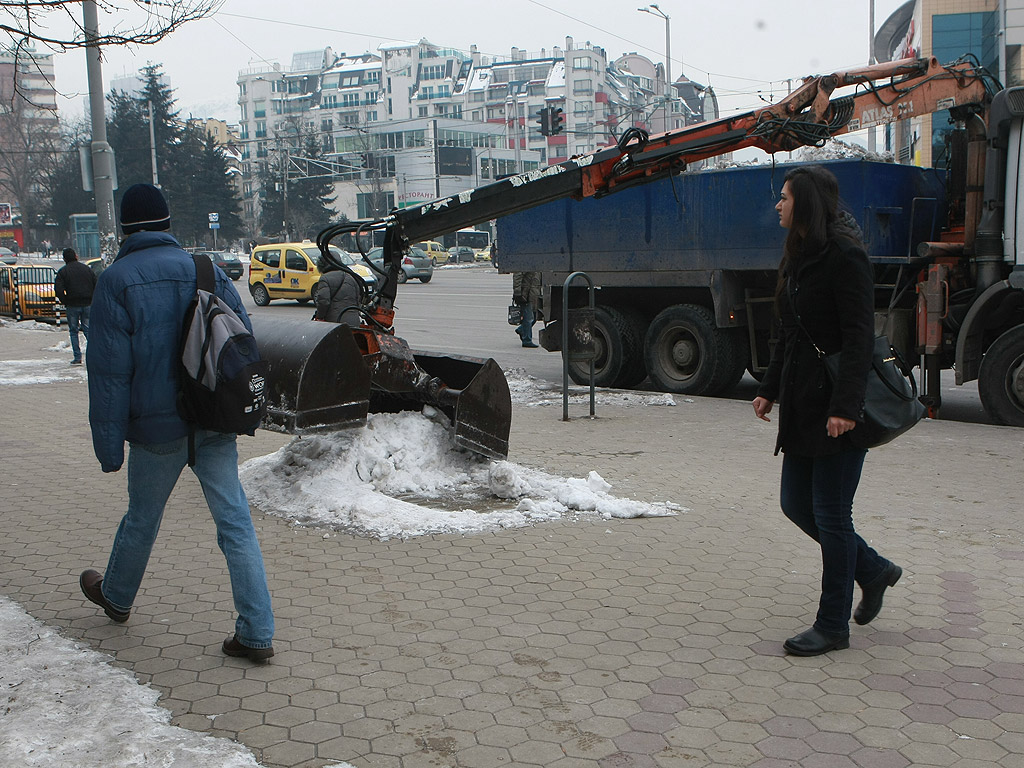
[[526, 294], [73, 286], [133, 362]]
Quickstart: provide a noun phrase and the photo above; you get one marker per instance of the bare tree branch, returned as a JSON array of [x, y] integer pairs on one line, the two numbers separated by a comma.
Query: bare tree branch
[[57, 24]]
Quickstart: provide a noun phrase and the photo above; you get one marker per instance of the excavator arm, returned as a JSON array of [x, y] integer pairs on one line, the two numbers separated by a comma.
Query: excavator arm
[[807, 117]]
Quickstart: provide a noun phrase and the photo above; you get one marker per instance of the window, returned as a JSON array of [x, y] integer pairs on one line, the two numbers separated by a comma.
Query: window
[[259, 108], [373, 76], [348, 118], [348, 81], [582, 62], [349, 100], [373, 204], [294, 260], [477, 96], [261, 129], [475, 116], [243, 109], [371, 116], [582, 86], [424, 111], [270, 258], [329, 101], [434, 72], [583, 108], [326, 124]]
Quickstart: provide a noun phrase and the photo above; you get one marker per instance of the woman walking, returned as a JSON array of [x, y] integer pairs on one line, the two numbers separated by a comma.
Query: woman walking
[[825, 300]]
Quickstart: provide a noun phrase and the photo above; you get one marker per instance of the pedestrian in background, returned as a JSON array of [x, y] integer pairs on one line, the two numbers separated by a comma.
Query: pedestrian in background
[[526, 294], [824, 298], [74, 286], [134, 358], [337, 295]]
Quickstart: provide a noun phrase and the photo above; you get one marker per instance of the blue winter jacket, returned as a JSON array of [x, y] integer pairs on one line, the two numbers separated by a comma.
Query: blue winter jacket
[[134, 352]]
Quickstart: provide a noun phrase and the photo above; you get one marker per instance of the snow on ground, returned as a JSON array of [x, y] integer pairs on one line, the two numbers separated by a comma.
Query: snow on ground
[[67, 706], [46, 371], [401, 475]]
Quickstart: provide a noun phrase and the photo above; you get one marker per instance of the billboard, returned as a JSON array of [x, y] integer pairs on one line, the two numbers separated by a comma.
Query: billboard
[[5, 215]]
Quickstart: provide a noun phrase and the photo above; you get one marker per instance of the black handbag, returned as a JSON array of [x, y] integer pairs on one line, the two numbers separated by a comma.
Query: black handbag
[[891, 406], [515, 314]]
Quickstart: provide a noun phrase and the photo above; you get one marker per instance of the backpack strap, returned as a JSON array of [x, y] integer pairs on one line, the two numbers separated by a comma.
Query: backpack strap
[[205, 280]]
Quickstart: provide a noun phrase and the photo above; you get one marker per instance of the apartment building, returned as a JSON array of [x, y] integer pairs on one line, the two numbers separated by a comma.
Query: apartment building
[[420, 121]]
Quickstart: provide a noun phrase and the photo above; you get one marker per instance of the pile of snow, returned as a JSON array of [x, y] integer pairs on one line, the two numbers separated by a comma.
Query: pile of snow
[[401, 475], [65, 705], [21, 372], [529, 390], [30, 325]]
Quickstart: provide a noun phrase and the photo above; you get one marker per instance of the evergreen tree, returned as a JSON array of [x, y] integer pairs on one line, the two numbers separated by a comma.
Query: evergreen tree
[[303, 209]]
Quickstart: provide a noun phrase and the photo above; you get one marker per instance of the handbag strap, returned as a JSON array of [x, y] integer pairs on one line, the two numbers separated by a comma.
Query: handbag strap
[[796, 313]]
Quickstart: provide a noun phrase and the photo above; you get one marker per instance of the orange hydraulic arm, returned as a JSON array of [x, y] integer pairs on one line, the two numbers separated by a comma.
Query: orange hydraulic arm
[[808, 116]]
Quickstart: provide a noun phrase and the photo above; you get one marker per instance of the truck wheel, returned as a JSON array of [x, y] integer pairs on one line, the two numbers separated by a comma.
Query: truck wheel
[[686, 354], [260, 295], [735, 350], [1001, 378], [619, 361]]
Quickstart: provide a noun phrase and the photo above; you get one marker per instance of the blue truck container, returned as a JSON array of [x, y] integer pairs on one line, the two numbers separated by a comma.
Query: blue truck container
[[685, 266]]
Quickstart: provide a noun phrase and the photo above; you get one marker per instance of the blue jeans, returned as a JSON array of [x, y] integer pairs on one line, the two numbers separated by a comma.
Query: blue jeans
[[78, 318], [525, 327], [153, 471], [817, 495]]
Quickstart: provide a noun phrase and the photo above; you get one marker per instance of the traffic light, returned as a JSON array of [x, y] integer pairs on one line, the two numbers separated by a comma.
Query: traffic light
[[544, 121], [557, 121], [551, 121]]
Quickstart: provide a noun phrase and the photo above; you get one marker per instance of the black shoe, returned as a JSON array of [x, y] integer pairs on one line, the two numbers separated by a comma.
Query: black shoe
[[91, 583], [871, 603], [529, 344], [232, 647], [814, 642]]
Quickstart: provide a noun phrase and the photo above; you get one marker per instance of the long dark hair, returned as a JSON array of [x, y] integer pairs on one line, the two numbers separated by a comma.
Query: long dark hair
[[815, 194]]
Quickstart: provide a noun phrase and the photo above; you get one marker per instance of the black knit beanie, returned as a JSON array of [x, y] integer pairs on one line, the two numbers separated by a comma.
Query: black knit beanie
[[143, 207]]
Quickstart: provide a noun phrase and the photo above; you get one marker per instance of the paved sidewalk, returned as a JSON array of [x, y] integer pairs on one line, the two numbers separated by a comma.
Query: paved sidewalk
[[594, 643]]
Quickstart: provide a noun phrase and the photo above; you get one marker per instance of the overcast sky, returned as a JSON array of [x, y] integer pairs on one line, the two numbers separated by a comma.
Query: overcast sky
[[741, 47]]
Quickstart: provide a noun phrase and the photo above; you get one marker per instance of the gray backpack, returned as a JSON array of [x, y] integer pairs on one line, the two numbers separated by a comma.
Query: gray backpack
[[222, 375]]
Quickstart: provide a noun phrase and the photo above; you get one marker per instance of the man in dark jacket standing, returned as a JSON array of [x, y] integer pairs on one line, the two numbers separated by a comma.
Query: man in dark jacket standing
[[134, 358], [74, 286]]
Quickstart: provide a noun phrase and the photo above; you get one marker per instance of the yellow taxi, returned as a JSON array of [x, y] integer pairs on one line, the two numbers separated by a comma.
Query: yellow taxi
[[436, 251], [26, 292], [290, 271]]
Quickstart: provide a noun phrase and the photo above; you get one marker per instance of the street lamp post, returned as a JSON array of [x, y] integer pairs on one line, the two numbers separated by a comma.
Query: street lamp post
[[654, 10]]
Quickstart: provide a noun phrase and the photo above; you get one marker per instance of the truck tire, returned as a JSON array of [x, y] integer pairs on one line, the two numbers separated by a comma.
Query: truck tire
[[1001, 378], [686, 354], [260, 295], [619, 361], [735, 359]]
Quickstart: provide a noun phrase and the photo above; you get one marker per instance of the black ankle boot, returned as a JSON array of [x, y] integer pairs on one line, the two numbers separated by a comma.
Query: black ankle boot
[[814, 642], [871, 603]]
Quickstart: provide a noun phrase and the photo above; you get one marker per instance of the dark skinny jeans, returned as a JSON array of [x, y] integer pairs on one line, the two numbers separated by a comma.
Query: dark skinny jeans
[[817, 495]]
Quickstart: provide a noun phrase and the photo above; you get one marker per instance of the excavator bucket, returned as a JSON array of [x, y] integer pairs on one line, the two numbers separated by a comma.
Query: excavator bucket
[[325, 376], [317, 380], [473, 393]]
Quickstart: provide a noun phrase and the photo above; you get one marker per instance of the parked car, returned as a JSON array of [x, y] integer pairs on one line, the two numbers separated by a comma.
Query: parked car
[[228, 262], [289, 271], [7, 256], [436, 251], [483, 254], [26, 292], [96, 265], [461, 253], [416, 264]]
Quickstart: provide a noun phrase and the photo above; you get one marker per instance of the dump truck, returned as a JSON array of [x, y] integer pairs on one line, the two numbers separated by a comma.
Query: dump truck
[[324, 376]]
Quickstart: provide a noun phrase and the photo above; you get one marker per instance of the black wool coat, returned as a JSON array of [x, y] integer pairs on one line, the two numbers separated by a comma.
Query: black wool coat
[[833, 295]]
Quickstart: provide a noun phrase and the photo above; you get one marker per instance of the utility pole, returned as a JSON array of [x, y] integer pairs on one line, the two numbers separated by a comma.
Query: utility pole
[[871, 60], [102, 154], [654, 10], [152, 144]]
